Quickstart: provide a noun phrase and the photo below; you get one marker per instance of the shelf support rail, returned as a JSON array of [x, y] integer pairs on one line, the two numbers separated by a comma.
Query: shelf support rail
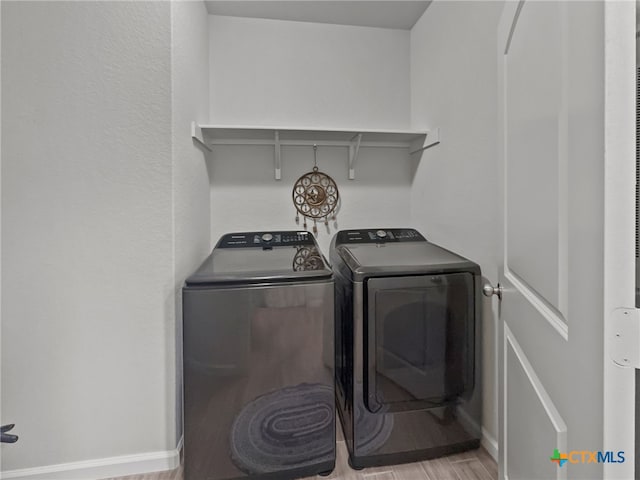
[[276, 154], [430, 139], [354, 148], [196, 134]]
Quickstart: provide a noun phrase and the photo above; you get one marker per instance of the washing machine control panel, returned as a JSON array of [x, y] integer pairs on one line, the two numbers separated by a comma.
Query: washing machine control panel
[[381, 235], [266, 239]]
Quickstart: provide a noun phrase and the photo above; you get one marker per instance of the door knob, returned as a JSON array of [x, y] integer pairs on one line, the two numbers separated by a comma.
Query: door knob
[[489, 290]]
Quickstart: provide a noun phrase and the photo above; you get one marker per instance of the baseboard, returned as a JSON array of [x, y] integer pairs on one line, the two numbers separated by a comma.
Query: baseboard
[[180, 450], [490, 444], [102, 468]]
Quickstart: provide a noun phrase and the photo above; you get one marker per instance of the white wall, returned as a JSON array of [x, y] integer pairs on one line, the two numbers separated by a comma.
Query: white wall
[[190, 102], [454, 196], [244, 195], [87, 248], [272, 72]]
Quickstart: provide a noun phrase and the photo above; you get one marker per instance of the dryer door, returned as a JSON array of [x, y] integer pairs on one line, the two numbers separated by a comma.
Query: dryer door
[[419, 341]]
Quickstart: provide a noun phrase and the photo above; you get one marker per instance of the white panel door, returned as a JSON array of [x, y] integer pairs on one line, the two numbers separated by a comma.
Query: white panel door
[[551, 58]]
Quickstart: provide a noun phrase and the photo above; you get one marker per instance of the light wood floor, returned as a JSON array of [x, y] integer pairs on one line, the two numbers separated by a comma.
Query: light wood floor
[[472, 465]]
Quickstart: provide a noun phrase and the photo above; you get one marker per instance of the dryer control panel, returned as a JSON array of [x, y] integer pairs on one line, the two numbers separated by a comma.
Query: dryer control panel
[[381, 235], [266, 239]]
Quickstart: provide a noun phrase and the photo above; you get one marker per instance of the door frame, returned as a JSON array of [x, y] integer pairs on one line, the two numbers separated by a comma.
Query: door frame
[[619, 174], [619, 225]]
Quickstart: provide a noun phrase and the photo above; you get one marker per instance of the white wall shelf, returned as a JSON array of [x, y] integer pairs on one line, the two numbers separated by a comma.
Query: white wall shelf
[[415, 141]]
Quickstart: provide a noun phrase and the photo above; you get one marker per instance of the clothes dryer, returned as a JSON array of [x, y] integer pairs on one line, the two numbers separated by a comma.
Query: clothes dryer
[[407, 347]]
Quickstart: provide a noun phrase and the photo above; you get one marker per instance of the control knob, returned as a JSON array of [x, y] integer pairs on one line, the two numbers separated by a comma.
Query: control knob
[[267, 237], [381, 234]]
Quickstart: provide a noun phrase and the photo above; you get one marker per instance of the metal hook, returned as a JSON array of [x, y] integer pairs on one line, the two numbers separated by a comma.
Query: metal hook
[[315, 155]]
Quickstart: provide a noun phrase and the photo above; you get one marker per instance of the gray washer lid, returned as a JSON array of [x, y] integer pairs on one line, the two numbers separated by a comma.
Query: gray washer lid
[[255, 265], [409, 258]]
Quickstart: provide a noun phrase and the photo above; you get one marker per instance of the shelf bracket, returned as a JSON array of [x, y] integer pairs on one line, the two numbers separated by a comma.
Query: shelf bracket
[[276, 155], [354, 148], [431, 139], [196, 134]]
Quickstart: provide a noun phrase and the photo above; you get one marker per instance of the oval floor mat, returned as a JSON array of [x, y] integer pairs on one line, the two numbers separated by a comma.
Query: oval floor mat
[[290, 428]]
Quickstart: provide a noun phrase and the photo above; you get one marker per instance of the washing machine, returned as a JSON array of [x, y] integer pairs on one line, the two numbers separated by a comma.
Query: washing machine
[[258, 360], [407, 347]]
